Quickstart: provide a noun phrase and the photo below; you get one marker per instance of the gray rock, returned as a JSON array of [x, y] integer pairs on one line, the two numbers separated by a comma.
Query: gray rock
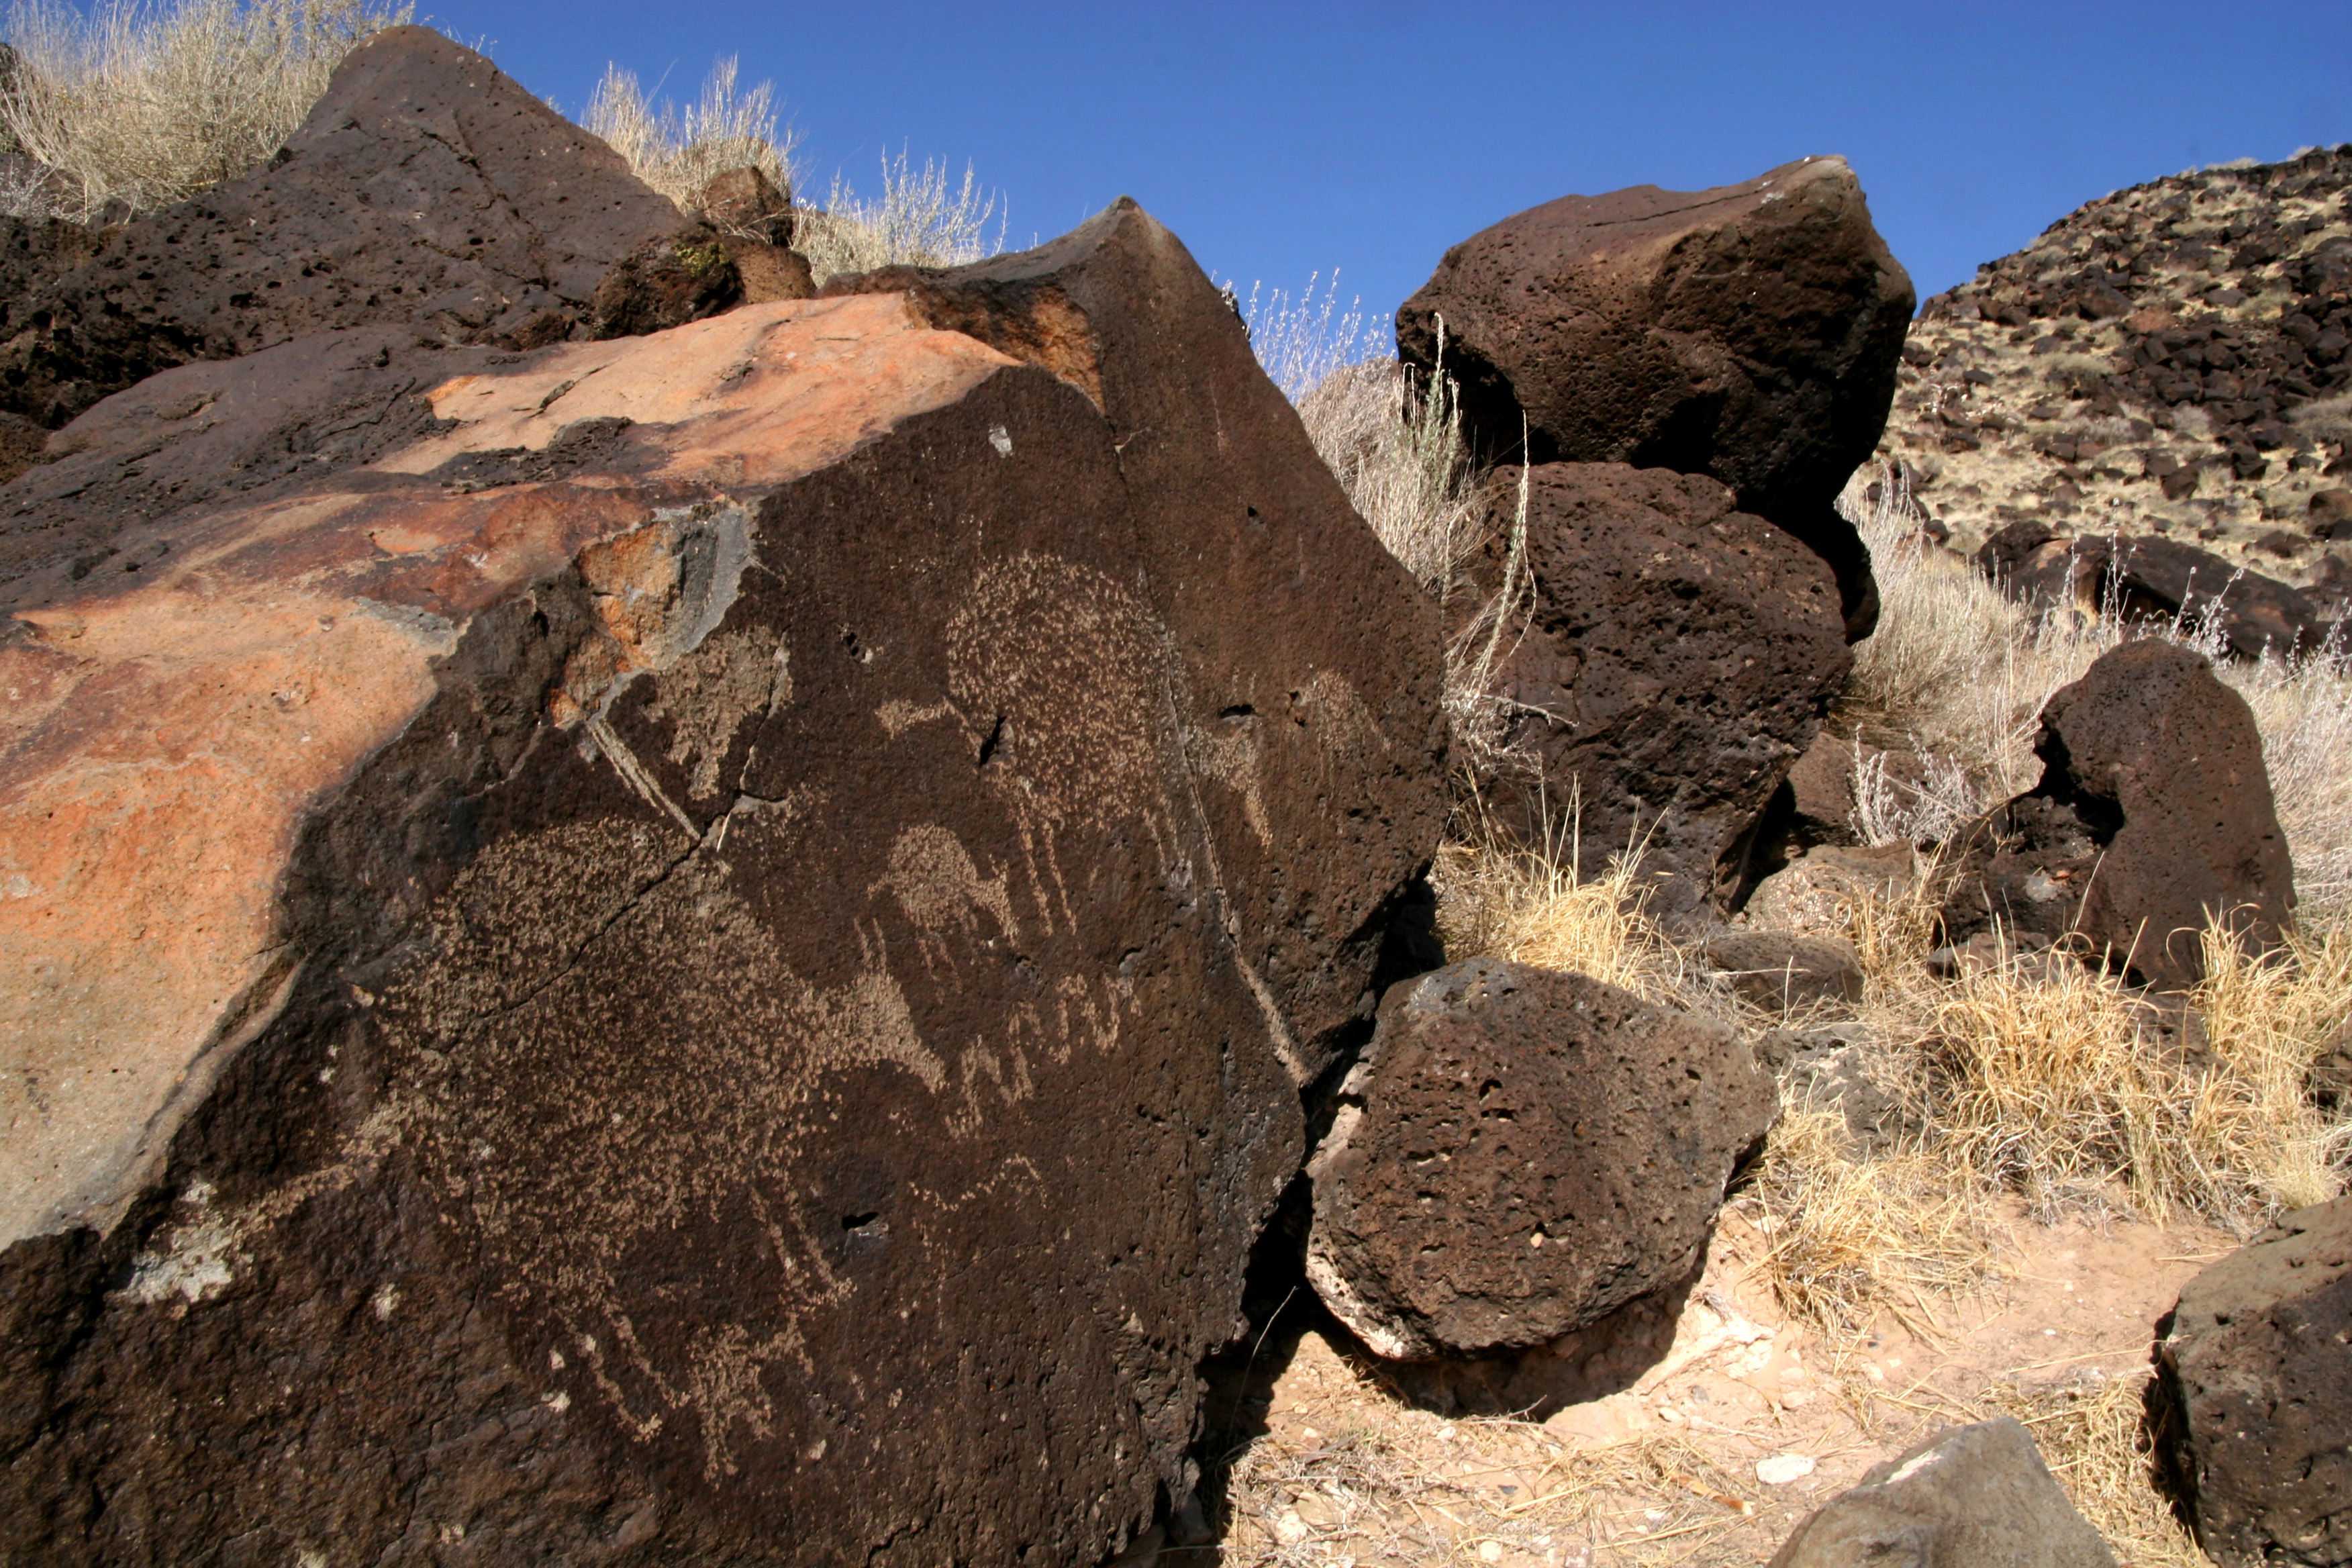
[[1518, 1153], [2255, 1373], [1969, 1497]]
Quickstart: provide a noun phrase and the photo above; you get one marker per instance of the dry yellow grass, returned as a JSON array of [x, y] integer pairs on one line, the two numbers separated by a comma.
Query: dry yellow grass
[[1531, 906], [1853, 1233], [134, 106], [2056, 1083]]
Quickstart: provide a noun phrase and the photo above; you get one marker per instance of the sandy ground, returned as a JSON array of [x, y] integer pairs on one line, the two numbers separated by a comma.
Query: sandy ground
[[1328, 1464]]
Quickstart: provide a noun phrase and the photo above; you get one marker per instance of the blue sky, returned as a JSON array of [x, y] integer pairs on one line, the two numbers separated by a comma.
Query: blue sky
[[1280, 141]]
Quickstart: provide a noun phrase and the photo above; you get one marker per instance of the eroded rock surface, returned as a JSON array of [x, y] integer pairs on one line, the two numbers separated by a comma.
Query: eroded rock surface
[[1976, 1495], [427, 188], [2153, 813], [1750, 332], [2256, 1369], [708, 957], [1674, 663], [1518, 1153]]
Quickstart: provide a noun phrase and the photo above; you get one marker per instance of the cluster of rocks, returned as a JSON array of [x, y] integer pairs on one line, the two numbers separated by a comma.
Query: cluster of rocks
[[1692, 376], [2172, 360], [584, 1000]]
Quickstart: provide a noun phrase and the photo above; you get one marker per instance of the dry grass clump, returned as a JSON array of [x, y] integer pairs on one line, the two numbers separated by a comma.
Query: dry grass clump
[[137, 104], [2056, 1083], [1531, 905], [677, 150], [1853, 1233], [921, 219]]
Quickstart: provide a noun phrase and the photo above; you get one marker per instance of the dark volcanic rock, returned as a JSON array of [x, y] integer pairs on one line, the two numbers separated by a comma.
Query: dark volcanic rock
[[590, 995], [746, 203], [1779, 969], [2153, 809], [21, 443], [1675, 663], [427, 188], [1519, 1151], [2255, 1375], [2149, 579], [1969, 1497], [1750, 332]]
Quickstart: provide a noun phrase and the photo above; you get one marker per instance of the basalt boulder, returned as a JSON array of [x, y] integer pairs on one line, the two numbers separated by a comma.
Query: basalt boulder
[[2152, 816], [2254, 1395], [709, 955], [427, 188], [2146, 578], [1750, 332], [1671, 662], [1518, 1153]]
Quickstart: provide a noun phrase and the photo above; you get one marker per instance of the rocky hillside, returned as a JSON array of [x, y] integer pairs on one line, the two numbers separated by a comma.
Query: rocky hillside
[[2170, 359]]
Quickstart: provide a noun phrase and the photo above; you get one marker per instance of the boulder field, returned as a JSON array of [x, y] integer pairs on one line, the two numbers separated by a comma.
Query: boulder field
[[695, 947]]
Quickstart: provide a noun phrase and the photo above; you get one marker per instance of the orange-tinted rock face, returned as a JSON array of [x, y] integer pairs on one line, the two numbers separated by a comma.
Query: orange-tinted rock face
[[164, 741], [705, 952]]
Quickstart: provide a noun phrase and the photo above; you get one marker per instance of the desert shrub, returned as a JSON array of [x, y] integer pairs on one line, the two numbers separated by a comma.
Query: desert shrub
[[1303, 342], [676, 150], [921, 219], [132, 105]]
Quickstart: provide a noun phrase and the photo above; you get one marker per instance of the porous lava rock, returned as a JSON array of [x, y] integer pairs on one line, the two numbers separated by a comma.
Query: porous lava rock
[[427, 188], [1750, 332], [1675, 661], [699, 960], [1976, 1495], [2254, 1395], [1781, 969], [1819, 892], [2153, 814], [1519, 1151], [2150, 580]]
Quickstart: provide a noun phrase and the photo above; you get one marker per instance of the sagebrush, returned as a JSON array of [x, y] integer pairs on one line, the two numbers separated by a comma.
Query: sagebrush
[[678, 150]]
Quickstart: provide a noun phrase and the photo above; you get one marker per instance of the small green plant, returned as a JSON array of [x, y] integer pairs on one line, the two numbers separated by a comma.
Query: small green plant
[[132, 106]]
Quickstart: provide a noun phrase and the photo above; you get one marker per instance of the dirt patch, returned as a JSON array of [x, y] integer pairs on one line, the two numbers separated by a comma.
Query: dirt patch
[[1322, 1463]]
